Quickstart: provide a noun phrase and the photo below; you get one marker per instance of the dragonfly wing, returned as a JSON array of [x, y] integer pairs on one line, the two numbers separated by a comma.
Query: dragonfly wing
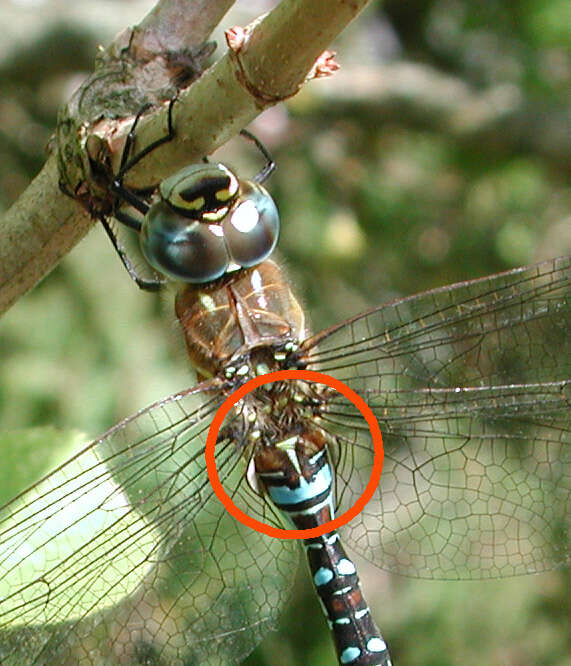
[[508, 328], [475, 483], [471, 387], [123, 555]]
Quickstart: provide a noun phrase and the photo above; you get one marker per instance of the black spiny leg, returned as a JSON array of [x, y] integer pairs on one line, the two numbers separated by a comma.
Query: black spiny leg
[[133, 199], [269, 166], [143, 283], [127, 164]]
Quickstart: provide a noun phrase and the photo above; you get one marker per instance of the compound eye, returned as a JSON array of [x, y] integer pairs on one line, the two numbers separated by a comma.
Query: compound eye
[[252, 226], [183, 249]]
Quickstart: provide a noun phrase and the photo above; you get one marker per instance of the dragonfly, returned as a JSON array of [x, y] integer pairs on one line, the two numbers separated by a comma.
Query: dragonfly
[[124, 555]]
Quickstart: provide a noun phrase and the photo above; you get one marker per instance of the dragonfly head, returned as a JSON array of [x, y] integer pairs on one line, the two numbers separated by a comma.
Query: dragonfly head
[[207, 222]]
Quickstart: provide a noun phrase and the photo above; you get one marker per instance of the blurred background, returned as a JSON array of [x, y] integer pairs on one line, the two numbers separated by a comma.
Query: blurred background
[[440, 152]]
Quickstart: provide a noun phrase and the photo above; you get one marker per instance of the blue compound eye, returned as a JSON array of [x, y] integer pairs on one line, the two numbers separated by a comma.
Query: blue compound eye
[[252, 226], [206, 223], [182, 248]]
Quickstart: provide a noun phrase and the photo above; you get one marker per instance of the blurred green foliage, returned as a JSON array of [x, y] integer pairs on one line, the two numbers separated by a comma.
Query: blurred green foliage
[[439, 153]]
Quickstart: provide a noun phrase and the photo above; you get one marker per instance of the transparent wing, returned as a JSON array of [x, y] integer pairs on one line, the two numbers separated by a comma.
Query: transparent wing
[[475, 484], [507, 328], [124, 556], [471, 387]]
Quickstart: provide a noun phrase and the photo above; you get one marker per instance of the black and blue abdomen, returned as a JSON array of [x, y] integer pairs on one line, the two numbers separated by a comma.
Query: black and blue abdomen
[[299, 482]]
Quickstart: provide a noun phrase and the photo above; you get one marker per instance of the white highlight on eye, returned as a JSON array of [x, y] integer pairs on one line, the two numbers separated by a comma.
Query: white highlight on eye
[[245, 217], [232, 181]]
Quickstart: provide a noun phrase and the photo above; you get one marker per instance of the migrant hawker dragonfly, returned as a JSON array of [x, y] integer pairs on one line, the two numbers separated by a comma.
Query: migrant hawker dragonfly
[[124, 556]]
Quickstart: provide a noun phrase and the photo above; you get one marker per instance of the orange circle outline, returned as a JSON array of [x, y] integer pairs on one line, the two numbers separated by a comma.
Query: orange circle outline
[[270, 378]]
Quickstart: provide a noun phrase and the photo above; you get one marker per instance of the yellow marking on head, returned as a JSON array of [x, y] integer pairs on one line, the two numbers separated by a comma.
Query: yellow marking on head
[[223, 195], [215, 215], [195, 204]]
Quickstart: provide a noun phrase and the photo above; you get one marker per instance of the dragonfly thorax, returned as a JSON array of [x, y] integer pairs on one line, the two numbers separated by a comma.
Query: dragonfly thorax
[[247, 322]]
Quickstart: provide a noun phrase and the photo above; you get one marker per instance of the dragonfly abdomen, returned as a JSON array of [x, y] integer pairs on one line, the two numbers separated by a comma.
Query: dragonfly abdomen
[[302, 491], [357, 637]]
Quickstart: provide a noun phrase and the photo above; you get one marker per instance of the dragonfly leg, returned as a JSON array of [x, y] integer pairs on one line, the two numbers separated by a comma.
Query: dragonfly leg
[[143, 283]]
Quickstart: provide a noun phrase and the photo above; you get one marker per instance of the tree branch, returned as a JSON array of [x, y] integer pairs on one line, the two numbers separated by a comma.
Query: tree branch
[[268, 63], [271, 65], [175, 24]]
